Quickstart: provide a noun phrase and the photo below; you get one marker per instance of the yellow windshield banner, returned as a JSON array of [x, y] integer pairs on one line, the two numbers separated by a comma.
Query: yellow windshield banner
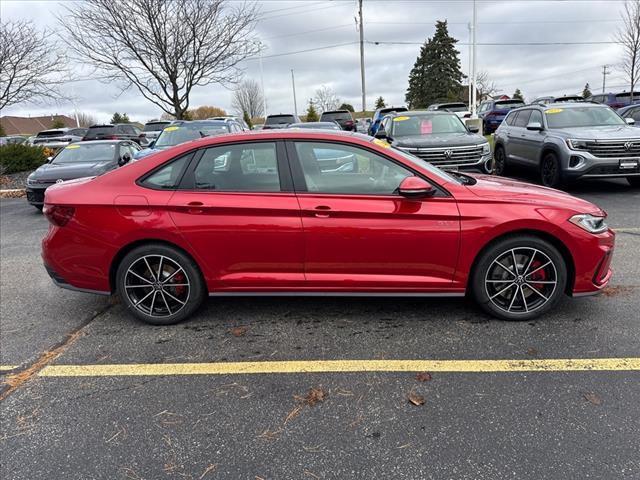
[[401, 119], [170, 129], [381, 143], [554, 110]]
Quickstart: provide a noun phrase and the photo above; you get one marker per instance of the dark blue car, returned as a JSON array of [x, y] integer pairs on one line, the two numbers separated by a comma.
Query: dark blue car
[[378, 116], [492, 112]]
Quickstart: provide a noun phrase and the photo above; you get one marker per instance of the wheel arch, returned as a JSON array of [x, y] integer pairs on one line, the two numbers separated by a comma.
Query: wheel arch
[[115, 263], [549, 148], [553, 240]]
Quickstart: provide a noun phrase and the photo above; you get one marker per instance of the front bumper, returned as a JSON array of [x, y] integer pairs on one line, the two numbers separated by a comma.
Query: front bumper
[[35, 195], [585, 165]]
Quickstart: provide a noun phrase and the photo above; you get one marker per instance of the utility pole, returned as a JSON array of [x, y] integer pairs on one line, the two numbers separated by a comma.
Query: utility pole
[[295, 103], [474, 114], [469, 79], [364, 101], [604, 76]]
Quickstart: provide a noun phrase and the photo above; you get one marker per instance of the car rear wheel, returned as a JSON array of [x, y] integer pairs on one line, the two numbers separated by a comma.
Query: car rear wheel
[[634, 181], [500, 162], [550, 171], [519, 278], [159, 284]]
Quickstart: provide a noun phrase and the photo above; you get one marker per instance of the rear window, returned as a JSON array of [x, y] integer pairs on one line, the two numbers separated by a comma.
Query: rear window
[[280, 119], [508, 105], [155, 127], [336, 116], [51, 133], [453, 107], [95, 132]]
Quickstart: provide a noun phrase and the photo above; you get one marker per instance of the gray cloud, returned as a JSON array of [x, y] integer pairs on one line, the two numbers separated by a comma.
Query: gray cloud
[[536, 70]]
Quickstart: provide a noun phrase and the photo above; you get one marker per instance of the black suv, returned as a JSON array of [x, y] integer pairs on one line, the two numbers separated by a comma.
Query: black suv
[[119, 131], [281, 120], [341, 117]]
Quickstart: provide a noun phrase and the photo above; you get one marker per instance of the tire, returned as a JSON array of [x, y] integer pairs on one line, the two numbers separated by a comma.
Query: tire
[[500, 161], [634, 181], [551, 172], [159, 302], [39, 207], [494, 286]]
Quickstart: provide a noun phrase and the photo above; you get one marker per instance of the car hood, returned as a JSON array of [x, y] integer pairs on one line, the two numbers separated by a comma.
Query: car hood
[[609, 132], [147, 151], [501, 188], [66, 171], [439, 140]]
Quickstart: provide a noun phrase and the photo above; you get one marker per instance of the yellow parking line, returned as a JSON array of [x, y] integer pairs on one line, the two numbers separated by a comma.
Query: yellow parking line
[[341, 366], [6, 368]]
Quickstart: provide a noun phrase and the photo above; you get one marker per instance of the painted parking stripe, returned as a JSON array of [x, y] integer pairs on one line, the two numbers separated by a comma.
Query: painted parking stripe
[[6, 368], [342, 366], [627, 230]]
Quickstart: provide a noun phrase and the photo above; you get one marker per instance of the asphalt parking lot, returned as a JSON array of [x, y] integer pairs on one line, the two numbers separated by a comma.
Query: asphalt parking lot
[[325, 385]]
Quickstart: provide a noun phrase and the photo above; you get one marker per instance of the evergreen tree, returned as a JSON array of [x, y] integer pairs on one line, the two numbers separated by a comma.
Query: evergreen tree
[[57, 123], [312, 114], [120, 118], [436, 75], [517, 95], [346, 106], [586, 93], [380, 103]]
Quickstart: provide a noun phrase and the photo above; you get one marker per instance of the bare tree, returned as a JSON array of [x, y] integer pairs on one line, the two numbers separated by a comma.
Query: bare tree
[[484, 85], [84, 119], [30, 69], [326, 99], [628, 36], [248, 98], [164, 48]]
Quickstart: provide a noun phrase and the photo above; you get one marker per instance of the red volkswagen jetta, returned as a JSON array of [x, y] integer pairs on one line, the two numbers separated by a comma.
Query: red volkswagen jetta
[[318, 213]]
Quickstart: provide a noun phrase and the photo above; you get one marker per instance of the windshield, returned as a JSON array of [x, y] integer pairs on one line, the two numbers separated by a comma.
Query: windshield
[[337, 116], [581, 117], [423, 164], [175, 134], [317, 125], [154, 127], [279, 119], [86, 152], [508, 105], [453, 107], [426, 124]]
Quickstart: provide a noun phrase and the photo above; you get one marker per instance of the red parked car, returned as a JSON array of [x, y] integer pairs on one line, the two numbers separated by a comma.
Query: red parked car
[[269, 213]]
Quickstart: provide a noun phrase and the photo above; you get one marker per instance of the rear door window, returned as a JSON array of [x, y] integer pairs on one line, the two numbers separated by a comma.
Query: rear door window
[[249, 167]]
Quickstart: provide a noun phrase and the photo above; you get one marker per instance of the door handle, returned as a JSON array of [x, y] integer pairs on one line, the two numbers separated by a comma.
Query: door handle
[[195, 207], [322, 211]]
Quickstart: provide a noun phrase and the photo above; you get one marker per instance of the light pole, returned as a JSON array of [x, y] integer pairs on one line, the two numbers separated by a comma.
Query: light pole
[[364, 101], [474, 114], [295, 103]]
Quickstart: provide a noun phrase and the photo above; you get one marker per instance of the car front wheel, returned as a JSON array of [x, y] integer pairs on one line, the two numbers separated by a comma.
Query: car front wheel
[[519, 278], [634, 181], [500, 162], [550, 171], [159, 284]]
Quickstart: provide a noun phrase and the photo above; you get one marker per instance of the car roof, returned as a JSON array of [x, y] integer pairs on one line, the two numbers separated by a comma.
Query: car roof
[[336, 111], [62, 129], [572, 105], [200, 122], [95, 142], [411, 113], [157, 121]]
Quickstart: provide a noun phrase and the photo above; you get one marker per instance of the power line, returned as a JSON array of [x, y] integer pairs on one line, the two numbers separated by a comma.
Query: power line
[[326, 47], [499, 44]]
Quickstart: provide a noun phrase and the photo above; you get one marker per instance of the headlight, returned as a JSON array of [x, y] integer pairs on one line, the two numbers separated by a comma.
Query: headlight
[[30, 181], [486, 149], [574, 144], [590, 223]]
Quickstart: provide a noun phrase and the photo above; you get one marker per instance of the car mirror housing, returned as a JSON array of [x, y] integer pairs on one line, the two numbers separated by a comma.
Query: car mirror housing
[[630, 121], [49, 159], [534, 126], [415, 187], [474, 128], [124, 159], [381, 133]]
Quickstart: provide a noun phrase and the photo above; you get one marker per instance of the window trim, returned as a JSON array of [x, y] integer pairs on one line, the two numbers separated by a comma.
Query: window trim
[[187, 181], [141, 180], [300, 184]]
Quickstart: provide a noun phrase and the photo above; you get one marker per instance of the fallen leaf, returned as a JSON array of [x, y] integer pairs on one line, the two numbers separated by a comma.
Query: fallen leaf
[[593, 398], [423, 377], [210, 468], [293, 413], [532, 351], [416, 399], [315, 395], [239, 331]]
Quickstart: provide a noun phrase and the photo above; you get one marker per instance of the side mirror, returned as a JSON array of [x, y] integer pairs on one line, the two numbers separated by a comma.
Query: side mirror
[[534, 126], [49, 159], [124, 159], [415, 187], [474, 128], [381, 133], [630, 121]]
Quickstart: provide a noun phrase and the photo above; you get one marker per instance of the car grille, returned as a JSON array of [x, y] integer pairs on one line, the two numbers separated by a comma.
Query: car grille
[[615, 149], [35, 196], [453, 156]]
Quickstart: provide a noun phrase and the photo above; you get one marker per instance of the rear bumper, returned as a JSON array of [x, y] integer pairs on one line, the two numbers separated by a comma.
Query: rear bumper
[[62, 283]]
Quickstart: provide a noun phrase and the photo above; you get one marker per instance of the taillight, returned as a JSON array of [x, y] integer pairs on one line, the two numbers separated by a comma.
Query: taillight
[[58, 215]]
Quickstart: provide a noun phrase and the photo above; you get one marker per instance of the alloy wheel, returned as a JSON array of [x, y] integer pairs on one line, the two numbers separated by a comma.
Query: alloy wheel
[[549, 171], [157, 286], [521, 280]]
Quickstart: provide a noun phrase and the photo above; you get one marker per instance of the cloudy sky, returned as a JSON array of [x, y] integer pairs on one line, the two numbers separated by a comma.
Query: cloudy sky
[[399, 26]]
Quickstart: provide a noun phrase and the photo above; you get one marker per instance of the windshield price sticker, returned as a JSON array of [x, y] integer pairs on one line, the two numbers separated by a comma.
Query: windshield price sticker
[[71, 147], [554, 110], [381, 143], [401, 119], [171, 129]]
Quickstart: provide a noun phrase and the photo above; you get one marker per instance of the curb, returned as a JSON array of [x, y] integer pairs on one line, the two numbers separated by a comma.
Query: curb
[[13, 193]]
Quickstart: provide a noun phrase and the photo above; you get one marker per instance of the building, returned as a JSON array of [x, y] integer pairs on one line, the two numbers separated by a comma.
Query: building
[[32, 125]]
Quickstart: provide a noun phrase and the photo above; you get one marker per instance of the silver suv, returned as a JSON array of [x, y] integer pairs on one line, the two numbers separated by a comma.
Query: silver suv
[[567, 141]]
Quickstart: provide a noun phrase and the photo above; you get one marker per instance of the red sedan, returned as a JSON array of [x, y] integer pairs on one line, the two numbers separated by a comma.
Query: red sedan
[[318, 213]]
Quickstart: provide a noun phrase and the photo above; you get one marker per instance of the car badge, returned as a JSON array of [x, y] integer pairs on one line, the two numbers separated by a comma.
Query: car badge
[[59, 180], [628, 145], [448, 153]]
